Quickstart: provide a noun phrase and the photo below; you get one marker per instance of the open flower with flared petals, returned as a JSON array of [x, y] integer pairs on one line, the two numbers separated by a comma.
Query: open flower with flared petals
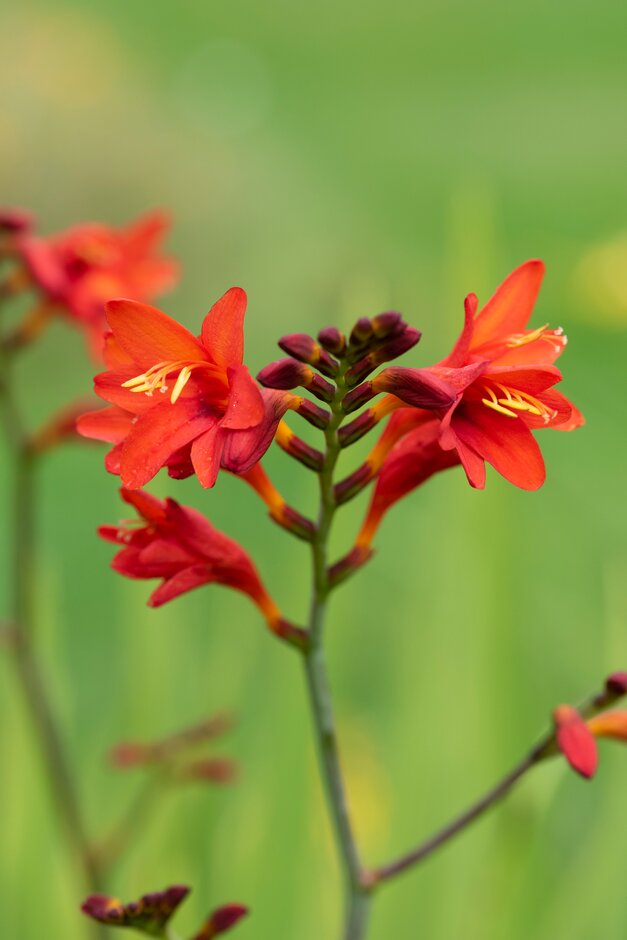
[[81, 268], [179, 401], [177, 544], [504, 379]]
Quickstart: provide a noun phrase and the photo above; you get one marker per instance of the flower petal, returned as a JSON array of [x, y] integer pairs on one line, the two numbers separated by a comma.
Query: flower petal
[[245, 408], [509, 309], [243, 449], [506, 443], [149, 336], [106, 424], [223, 328], [156, 436], [575, 740], [206, 453], [180, 583]]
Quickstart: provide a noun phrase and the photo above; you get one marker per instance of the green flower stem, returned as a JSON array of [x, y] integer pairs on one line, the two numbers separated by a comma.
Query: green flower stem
[[357, 892]]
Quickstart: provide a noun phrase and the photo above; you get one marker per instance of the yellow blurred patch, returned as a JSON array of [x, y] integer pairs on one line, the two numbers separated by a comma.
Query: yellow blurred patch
[[601, 283], [368, 785]]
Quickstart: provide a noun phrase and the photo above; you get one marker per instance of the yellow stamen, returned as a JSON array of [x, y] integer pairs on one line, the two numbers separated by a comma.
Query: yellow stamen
[[154, 379], [493, 403], [521, 339], [514, 400]]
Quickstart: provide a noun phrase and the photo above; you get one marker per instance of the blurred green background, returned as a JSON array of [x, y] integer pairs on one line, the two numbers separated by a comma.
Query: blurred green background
[[337, 159]]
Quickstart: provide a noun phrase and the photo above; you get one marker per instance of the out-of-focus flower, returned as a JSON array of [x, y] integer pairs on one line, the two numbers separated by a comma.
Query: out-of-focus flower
[[178, 401], [79, 269], [575, 740], [149, 914], [222, 919], [147, 753]]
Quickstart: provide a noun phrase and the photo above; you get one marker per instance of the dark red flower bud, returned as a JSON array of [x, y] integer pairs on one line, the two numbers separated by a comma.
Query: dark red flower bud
[[349, 564], [616, 684], [318, 417], [417, 387], [361, 332], [149, 915], [358, 397], [293, 522], [306, 349], [388, 324], [287, 373], [15, 220], [355, 430], [299, 449], [210, 770], [332, 340], [353, 484], [220, 921], [392, 348]]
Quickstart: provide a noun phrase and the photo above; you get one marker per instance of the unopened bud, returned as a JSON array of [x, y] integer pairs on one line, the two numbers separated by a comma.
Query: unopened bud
[[349, 564], [306, 349], [333, 340], [355, 430], [211, 770], [361, 332], [353, 484], [292, 521], [316, 416], [220, 921], [299, 449], [388, 324], [391, 349], [287, 374], [358, 397], [15, 220], [616, 684]]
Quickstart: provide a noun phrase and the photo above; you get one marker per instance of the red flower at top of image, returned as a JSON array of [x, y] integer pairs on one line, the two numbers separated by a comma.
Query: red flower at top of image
[[180, 401], [81, 268]]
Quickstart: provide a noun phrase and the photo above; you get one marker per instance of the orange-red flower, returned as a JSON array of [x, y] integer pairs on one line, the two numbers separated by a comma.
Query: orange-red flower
[[81, 268], [576, 737], [179, 401], [503, 376], [178, 545]]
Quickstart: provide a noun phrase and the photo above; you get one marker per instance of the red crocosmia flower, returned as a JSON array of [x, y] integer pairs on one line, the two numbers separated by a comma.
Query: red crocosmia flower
[[178, 545], [83, 267], [575, 740], [503, 375], [179, 401]]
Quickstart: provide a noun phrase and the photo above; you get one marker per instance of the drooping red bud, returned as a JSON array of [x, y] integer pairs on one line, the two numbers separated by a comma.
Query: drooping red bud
[[575, 740], [149, 914], [316, 416], [299, 449], [358, 397], [616, 684], [355, 430]]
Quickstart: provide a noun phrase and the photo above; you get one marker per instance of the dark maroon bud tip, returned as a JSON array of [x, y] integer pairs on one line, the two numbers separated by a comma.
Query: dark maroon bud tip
[[355, 430], [305, 349], [332, 340], [417, 387], [15, 220], [397, 346], [284, 374], [320, 388], [361, 332], [616, 684], [348, 565], [227, 916], [388, 324], [361, 369], [353, 484]]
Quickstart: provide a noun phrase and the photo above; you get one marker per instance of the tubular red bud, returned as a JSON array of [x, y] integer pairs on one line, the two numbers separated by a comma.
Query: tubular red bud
[[358, 397], [352, 485], [293, 522], [387, 324], [616, 684], [353, 432], [349, 564], [391, 349], [287, 373], [299, 449], [361, 332], [305, 349], [149, 914], [333, 340], [316, 416], [417, 387], [220, 921]]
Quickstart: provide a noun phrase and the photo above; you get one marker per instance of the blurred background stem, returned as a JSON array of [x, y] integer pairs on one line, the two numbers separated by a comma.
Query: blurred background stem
[[28, 668]]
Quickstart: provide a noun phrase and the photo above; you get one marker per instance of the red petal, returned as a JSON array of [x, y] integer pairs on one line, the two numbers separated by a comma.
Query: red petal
[[156, 436], [180, 583], [506, 443], [245, 408], [206, 454], [144, 235], [148, 506], [223, 328], [461, 348], [509, 309], [107, 424], [149, 336], [243, 449], [525, 378], [575, 740]]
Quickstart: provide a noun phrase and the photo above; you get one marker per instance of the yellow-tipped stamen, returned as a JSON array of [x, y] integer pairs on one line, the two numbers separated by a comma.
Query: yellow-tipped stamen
[[154, 379], [493, 403], [516, 401]]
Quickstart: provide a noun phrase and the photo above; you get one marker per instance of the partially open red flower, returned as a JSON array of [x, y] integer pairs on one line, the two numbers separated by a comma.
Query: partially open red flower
[[81, 268], [178, 545], [179, 401]]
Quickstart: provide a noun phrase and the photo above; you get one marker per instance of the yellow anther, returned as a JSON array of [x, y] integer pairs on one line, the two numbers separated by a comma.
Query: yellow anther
[[496, 407], [155, 378], [521, 339], [181, 382]]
